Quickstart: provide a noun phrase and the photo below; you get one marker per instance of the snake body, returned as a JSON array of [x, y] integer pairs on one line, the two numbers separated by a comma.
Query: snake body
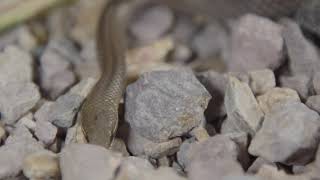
[[99, 113]]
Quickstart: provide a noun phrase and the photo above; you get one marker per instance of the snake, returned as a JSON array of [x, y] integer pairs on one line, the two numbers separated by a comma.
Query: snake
[[99, 113]]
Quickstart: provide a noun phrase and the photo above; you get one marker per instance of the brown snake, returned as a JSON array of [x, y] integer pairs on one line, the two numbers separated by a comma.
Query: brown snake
[[99, 114]]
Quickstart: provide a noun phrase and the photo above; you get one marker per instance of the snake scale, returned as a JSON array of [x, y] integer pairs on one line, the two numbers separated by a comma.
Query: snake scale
[[99, 113]]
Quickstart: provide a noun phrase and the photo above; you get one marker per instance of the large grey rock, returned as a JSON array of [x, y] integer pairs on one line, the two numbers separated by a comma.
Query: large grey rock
[[16, 99], [303, 55], [313, 102], [210, 41], [256, 43], [216, 85], [152, 23], [301, 83], [18, 146], [290, 134], [214, 158], [242, 107], [16, 65], [261, 81], [55, 69], [276, 95], [184, 154], [84, 161], [62, 112], [165, 104]]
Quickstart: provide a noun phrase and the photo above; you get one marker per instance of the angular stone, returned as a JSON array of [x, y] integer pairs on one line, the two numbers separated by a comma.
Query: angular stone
[[17, 146], [258, 163], [84, 161], [184, 154], [303, 55], [256, 43], [41, 165], [132, 168], [27, 121], [46, 132], [242, 107], [162, 149], [216, 157], [308, 16], [165, 104], [152, 23], [276, 95], [62, 112], [261, 81], [316, 83], [16, 99], [210, 41], [290, 134], [16, 65], [55, 69], [301, 83], [313, 103]]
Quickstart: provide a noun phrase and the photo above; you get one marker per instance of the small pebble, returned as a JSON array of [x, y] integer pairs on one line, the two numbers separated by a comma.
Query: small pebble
[[41, 165]]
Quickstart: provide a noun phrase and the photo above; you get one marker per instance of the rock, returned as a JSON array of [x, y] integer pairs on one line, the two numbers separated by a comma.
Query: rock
[[75, 134], [162, 149], [276, 142], [17, 146], [200, 133], [303, 55], [118, 145], [164, 173], [301, 83], [313, 103], [210, 41], [27, 121], [242, 107], [316, 83], [261, 81], [132, 168], [181, 54], [184, 29], [184, 154], [84, 161], [16, 99], [55, 69], [308, 16], [268, 172], [276, 95], [62, 112], [2, 133], [16, 65], [151, 24], [136, 143], [216, 85], [88, 66], [216, 157], [165, 104], [41, 165], [46, 132], [163, 162], [257, 164], [256, 43], [240, 177]]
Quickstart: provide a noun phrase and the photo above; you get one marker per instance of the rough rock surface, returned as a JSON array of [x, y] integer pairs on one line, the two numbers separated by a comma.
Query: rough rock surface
[[316, 83], [256, 43], [276, 95], [290, 134], [308, 16], [242, 107], [165, 104], [301, 83], [16, 99], [261, 81], [83, 161], [313, 103], [257, 164], [46, 132]]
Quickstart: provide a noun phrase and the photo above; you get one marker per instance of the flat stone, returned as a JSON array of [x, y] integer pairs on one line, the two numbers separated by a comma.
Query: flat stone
[[216, 157], [313, 103], [18, 145], [303, 55], [55, 69], [46, 132], [316, 83], [301, 83], [261, 81], [16, 99], [62, 112], [16, 65], [216, 85], [308, 16], [151, 23], [84, 161], [242, 107], [165, 104], [41, 165], [210, 41], [276, 95], [276, 142], [256, 43]]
